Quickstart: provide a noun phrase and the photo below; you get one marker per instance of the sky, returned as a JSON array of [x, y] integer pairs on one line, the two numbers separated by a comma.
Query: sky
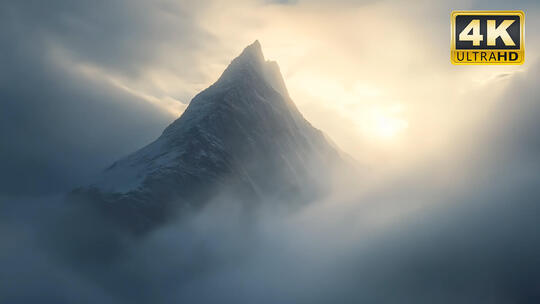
[[454, 150], [385, 96]]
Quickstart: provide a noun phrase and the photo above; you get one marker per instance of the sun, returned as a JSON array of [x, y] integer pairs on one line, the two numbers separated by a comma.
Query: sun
[[388, 127], [386, 124]]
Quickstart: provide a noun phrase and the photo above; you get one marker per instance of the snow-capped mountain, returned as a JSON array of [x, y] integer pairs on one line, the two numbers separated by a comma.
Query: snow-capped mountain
[[243, 136]]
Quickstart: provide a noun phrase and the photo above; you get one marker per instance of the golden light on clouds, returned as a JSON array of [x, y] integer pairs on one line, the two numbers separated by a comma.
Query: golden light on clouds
[[385, 124], [369, 75]]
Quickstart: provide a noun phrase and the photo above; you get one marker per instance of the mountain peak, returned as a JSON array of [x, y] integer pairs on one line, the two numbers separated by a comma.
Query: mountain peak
[[254, 49], [252, 52], [251, 64], [242, 136], [251, 58]]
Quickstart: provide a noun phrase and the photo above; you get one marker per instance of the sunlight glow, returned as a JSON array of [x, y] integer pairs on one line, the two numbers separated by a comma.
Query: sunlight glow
[[385, 123]]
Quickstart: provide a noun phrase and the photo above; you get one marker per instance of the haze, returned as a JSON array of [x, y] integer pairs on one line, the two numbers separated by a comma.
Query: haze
[[444, 210]]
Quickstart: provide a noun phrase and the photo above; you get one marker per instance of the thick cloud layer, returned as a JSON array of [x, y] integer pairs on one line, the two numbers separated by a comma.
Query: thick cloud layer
[[58, 126]]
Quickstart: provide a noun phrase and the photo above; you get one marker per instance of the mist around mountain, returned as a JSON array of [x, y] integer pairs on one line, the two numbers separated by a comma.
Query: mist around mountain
[[461, 228], [242, 137]]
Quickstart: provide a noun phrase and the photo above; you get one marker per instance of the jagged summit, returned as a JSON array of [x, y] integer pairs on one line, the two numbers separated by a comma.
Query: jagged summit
[[251, 59], [245, 73], [251, 65], [254, 50], [243, 135]]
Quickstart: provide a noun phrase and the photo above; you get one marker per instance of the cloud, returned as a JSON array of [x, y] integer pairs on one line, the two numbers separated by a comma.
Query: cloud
[[124, 36], [114, 60], [57, 128], [61, 124]]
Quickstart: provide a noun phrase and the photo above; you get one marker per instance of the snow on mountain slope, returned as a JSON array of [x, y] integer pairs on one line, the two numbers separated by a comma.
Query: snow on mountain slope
[[242, 135]]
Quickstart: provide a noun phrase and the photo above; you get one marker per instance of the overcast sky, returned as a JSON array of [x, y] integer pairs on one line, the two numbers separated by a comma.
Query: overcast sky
[[97, 80], [455, 220], [87, 82]]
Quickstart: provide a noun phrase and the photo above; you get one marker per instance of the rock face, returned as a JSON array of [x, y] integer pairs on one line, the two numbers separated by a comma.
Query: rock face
[[242, 137]]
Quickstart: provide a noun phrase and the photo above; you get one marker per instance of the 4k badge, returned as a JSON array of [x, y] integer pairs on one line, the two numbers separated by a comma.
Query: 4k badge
[[487, 37]]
